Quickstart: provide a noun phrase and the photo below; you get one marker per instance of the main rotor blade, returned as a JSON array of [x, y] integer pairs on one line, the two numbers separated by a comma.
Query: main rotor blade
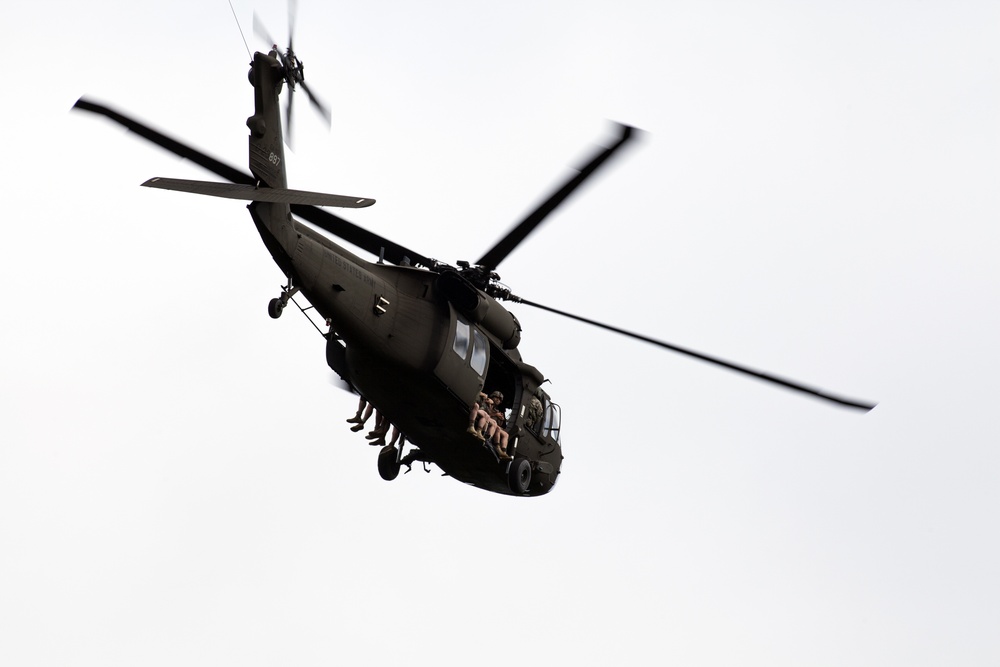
[[176, 147], [767, 377], [515, 236], [362, 238]]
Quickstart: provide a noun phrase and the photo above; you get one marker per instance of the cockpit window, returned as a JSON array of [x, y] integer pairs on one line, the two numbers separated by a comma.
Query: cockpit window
[[479, 352], [461, 345], [551, 424]]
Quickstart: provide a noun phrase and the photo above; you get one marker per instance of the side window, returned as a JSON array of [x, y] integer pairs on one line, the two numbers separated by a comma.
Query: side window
[[461, 346], [479, 351]]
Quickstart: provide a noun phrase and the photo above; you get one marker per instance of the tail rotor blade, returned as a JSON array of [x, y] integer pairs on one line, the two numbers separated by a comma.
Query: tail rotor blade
[[261, 31], [323, 110], [293, 10], [288, 116]]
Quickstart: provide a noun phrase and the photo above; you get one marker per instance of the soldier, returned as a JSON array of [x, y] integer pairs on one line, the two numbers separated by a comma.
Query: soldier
[[498, 420], [534, 412], [497, 398]]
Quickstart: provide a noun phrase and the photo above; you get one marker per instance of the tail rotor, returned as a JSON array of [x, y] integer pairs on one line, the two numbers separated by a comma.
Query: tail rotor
[[293, 71]]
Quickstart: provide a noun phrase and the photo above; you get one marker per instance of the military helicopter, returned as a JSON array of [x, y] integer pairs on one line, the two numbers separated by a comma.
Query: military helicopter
[[415, 337]]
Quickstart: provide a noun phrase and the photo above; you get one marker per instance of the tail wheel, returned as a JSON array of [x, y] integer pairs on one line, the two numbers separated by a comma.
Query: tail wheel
[[388, 463], [274, 308], [519, 476]]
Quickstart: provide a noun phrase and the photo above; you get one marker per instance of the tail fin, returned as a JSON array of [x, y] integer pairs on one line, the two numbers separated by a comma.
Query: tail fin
[[267, 152], [267, 161]]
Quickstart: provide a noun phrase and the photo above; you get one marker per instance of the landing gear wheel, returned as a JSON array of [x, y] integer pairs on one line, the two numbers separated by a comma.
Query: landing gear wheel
[[388, 463], [274, 308], [519, 476]]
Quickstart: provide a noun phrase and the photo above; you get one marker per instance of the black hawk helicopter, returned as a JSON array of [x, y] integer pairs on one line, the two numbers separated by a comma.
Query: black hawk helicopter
[[418, 338]]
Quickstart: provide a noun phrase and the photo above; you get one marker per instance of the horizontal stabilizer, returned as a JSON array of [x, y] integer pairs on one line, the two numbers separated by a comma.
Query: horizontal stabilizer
[[251, 193]]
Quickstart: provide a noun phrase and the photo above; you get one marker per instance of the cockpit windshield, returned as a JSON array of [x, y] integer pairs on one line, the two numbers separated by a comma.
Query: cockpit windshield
[[552, 421], [543, 416]]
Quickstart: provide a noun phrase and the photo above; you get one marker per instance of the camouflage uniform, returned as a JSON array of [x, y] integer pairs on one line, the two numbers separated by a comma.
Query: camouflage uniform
[[498, 413], [534, 412]]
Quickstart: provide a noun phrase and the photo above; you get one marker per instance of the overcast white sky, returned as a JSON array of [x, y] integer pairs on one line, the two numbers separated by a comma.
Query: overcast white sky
[[816, 194]]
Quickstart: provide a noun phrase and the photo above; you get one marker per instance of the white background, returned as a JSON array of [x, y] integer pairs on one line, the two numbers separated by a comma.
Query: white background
[[815, 194]]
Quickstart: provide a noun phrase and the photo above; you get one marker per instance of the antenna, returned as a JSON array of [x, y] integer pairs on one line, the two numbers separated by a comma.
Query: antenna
[[241, 30]]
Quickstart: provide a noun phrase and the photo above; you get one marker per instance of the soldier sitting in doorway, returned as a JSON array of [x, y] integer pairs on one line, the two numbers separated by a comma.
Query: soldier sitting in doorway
[[483, 423], [499, 418]]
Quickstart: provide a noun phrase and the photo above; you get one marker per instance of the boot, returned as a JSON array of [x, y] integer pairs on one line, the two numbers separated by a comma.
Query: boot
[[357, 427]]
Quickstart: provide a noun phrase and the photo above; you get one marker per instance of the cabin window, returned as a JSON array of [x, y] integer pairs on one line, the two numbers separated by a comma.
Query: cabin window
[[461, 346], [479, 352]]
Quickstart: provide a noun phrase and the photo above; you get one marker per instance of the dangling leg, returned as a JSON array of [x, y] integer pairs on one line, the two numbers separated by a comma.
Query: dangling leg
[[475, 423], [362, 404], [381, 426], [379, 441], [368, 413], [482, 423], [491, 428], [472, 419], [501, 444]]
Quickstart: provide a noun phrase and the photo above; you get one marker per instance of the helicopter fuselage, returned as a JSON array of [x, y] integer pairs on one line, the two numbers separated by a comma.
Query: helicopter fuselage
[[397, 337]]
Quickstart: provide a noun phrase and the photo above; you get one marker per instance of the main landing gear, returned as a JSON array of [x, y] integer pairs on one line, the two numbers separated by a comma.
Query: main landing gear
[[275, 306], [391, 459]]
